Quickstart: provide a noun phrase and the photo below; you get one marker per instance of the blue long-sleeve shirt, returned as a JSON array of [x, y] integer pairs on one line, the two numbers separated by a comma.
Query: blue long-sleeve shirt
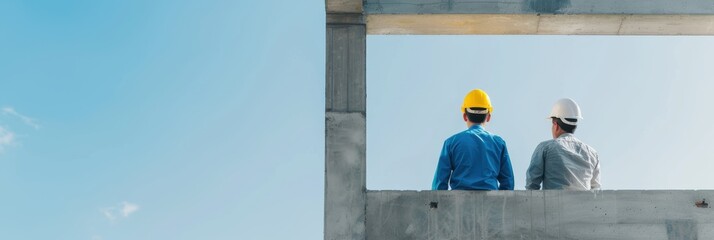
[[474, 160]]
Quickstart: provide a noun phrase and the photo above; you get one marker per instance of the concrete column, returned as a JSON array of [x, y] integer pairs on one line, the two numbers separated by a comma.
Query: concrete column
[[345, 127]]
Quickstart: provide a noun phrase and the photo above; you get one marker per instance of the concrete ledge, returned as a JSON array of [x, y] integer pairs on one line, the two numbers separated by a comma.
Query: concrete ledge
[[539, 215]]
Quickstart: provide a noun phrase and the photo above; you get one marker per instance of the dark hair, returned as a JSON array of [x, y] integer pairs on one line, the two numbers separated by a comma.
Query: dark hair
[[566, 127], [476, 118]]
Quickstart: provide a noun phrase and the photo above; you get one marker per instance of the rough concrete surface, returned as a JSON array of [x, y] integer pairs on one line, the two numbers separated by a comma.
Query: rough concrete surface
[[540, 17], [532, 24], [538, 215], [660, 7], [345, 125], [345, 70], [345, 176]]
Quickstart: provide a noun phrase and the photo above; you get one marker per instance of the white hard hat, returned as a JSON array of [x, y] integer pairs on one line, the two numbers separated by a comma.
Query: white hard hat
[[566, 108]]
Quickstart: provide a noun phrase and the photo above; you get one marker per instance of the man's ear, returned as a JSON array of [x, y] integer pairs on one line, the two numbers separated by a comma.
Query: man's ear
[[488, 117], [466, 119]]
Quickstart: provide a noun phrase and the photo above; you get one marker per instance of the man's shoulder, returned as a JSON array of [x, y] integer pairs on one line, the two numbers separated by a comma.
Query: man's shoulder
[[547, 144], [457, 135], [583, 145], [455, 138], [497, 138], [589, 148]]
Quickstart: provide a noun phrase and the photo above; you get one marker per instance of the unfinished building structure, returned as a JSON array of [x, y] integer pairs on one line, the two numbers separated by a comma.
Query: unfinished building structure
[[353, 212]]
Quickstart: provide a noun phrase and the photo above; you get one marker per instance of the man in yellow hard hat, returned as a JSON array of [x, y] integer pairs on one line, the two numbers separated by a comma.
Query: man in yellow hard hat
[[564, 162], [474, 159]]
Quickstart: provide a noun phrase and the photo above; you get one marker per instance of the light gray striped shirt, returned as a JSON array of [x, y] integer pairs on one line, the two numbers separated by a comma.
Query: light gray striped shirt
[[564, 163]]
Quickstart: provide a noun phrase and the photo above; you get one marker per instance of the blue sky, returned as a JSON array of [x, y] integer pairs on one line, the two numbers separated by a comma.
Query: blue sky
[[205, 119], [174, 107]]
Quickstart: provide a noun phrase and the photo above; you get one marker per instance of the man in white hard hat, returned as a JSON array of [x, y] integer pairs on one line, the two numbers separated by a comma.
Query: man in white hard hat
[[564, 162]]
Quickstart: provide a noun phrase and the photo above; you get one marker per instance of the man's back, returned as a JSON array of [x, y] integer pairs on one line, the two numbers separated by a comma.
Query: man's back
[[564, 163], [474, 160]]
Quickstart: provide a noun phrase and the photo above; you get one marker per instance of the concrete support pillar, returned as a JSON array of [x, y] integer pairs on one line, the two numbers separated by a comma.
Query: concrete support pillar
[[345, 127]]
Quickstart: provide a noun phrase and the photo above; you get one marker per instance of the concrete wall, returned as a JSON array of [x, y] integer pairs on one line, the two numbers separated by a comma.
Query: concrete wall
[[539, 215], [352, 212]]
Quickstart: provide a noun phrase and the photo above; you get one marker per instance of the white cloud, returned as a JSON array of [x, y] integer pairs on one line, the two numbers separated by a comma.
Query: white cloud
[[122, 210], [6, 138], [128, 208], [27, 120]]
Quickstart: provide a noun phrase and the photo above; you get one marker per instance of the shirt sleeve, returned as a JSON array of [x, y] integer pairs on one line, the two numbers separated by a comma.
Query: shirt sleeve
[[505, 174], [534, 175], [595, 181], [443, 169]]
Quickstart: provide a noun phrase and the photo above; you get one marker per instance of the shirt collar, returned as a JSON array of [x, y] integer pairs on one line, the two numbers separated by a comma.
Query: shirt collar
[[564, 135], [476, 127]]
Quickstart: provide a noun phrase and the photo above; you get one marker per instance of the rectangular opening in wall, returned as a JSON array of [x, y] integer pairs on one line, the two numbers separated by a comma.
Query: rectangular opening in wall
[[645, 103]]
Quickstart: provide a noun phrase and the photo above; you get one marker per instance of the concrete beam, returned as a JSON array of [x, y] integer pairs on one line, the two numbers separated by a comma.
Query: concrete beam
[[521, 24], [343, 6], [548, 17], [626, 7], [539, 215]]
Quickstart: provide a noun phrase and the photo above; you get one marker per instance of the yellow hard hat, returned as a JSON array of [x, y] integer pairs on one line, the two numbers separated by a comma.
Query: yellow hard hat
[[477, 98]]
